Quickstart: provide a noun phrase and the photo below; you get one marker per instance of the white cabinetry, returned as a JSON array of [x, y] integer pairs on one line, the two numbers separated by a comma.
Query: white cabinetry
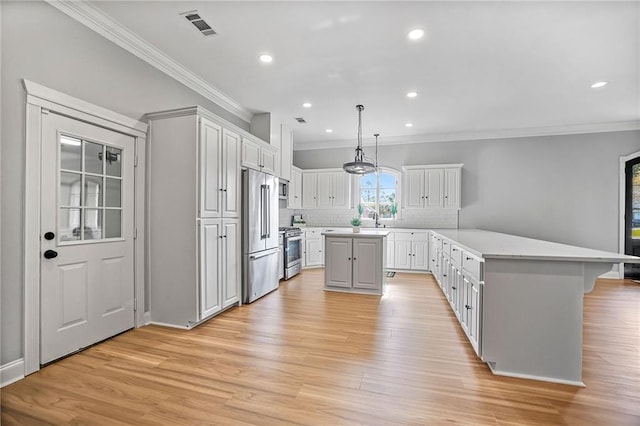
[[294, 200], [219, 186], [459, 274], [193, 236], [270, 128], [325, 189], [355, 264], [411, 250], [313, 247], [309, 190], [258, 155], [431, 187]]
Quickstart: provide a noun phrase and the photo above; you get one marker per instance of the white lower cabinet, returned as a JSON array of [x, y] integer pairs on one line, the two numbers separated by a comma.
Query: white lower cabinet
[[313, 247], [219, 269], [459, 275], [355, 264], [411, 251]]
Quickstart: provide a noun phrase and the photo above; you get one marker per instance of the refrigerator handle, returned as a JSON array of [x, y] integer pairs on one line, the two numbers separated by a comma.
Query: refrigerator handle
[[262, 221], [268, 188]]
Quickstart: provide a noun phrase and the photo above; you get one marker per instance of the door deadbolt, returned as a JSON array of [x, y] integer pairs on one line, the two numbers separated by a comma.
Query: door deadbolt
[[49, 235]]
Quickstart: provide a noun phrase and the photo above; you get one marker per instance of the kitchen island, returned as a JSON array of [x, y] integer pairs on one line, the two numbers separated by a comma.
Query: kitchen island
[[355, 261], [519, 300]]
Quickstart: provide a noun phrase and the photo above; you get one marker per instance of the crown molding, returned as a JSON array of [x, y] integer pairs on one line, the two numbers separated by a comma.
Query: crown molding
[[573, 129], [92, 17]]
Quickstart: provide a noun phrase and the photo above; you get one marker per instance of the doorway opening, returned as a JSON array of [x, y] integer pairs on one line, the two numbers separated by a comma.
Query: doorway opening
[[632, 216]]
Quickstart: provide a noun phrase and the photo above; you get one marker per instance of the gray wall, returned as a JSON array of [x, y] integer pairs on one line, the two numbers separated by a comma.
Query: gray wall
[[41, 44], [556, 188]]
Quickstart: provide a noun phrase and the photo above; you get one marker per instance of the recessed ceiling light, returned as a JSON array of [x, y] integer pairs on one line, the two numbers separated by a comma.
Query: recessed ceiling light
[[329, 130], [266, 58], [412, 94], [408, 125], [416, 34], [598, 84], [306, 105]]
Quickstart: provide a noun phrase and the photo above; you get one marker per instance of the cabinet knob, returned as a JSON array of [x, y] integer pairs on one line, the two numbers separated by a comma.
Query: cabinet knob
[[446, 196], [469, 258], [354, 258], [224, 190], [467, 306], [348, 258], [454, 288]]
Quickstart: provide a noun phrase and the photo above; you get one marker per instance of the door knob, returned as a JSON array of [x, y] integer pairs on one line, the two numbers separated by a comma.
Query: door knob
[[50, 254]]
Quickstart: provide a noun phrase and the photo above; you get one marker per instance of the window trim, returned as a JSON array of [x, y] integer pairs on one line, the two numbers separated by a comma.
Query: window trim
[[388, 170]]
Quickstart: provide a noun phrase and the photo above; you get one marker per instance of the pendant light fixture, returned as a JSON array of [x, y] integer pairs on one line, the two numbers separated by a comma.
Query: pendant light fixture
[[359, 166]]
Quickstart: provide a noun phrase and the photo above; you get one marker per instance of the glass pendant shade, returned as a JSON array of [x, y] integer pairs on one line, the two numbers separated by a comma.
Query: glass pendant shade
[[359, 166]]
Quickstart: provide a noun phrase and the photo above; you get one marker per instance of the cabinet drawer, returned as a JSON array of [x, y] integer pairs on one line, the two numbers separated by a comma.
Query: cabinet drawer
[[456, 254], [472, 264], [312, 233], [446, 247], [411, 236]]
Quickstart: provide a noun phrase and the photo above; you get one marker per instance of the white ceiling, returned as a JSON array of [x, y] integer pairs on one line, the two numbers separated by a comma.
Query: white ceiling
[[483, 68]]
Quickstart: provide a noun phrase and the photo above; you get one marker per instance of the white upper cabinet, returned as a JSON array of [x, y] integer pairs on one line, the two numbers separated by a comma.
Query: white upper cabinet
[[309, 190], [272, 129], [325, 189], [219, 172], [258, 155], [295, 189], [432, 187]]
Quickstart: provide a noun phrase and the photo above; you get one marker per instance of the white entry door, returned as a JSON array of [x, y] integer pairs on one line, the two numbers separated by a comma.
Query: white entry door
[[87, 264]]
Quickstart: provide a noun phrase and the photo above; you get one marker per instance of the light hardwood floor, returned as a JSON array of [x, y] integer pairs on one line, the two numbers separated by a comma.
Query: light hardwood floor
[[304, 356]]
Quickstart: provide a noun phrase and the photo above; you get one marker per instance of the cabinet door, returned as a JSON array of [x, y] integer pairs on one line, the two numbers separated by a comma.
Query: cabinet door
[[325, 189], [309, 190], [367, 263], [338, 270], [286, 152], [231, 270], [475, 313], [250, 154], [414, 188], [403, 254], [434, 188], [295, 189], [314, 252], [269, 162], [455, 289], [230, 174], [452, 188], [209, 286], [341, 190], [420, 255], [210, 179], [391, 250]]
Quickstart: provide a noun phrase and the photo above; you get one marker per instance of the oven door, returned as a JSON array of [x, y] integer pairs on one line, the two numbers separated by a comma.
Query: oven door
[[292, 251]]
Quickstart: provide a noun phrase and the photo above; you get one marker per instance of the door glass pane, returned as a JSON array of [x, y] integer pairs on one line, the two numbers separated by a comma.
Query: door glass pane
[[70, 189], [113, 223], [93, 157], [92, 191], [70, 153], [113, 159], [112, 194], [92, 224], [69, 224]]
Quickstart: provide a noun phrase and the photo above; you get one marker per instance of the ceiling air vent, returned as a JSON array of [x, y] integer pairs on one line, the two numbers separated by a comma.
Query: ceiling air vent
[[199, 23], [300, 119]]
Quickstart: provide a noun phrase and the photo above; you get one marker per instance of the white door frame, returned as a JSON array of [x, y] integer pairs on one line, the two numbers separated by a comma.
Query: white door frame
[[622, 208], [41, 100]]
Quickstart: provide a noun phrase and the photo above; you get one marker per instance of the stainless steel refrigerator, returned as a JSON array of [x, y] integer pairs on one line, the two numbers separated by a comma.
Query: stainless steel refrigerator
[[259, 234]]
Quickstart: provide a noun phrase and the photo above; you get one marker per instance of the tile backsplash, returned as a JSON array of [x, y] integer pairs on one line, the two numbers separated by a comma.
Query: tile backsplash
[[418, 218]]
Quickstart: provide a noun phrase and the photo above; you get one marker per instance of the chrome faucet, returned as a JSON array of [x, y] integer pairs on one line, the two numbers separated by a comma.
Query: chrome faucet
[[376, 216]]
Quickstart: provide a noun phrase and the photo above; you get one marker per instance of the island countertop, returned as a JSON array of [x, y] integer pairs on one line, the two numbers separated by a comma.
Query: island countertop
[[364, 233], [495, 245]]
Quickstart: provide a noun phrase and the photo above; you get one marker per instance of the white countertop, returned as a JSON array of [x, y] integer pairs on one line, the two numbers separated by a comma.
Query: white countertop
[[494, 245], [348, 232]]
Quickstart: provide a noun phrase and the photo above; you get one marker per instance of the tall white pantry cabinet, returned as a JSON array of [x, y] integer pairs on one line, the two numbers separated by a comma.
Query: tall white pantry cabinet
[[193, 216]]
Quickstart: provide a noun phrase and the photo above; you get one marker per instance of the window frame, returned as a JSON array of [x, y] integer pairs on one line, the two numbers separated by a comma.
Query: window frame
[[397, 174]]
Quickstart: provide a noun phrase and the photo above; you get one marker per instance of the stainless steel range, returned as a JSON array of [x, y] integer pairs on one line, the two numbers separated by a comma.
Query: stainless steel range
[[292, 251]]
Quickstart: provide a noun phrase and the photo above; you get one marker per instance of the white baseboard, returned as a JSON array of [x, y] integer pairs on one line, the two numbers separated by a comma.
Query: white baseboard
[[146, 318], [11, 372]]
